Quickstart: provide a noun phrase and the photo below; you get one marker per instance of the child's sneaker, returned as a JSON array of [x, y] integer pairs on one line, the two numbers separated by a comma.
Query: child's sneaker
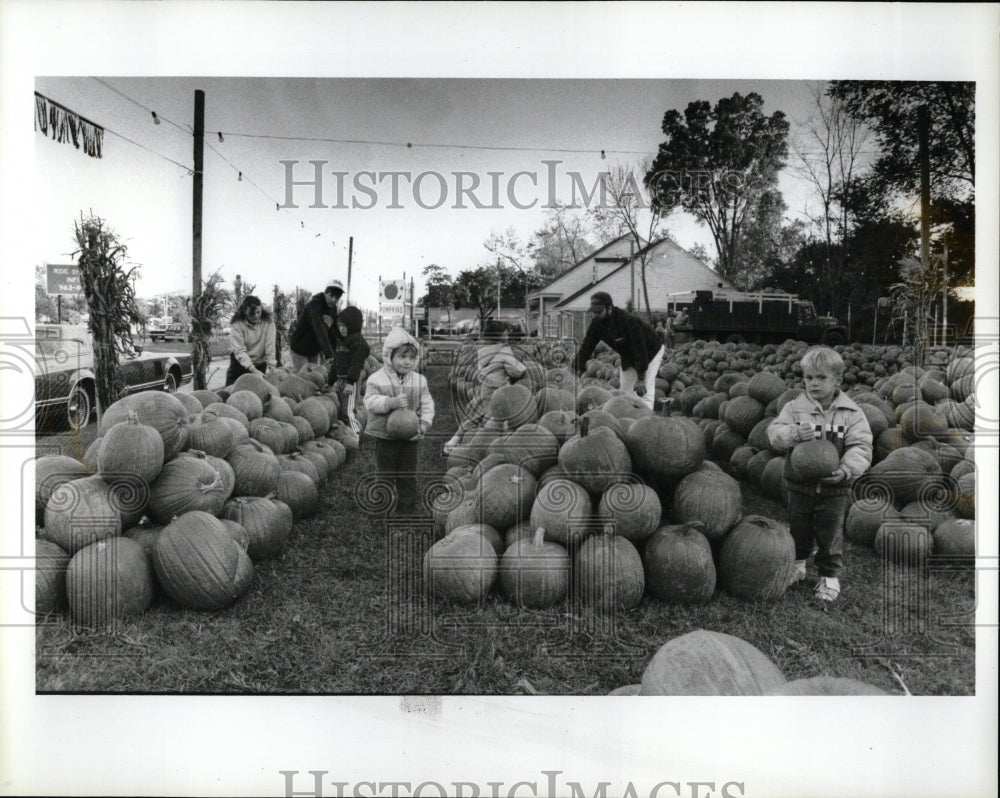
[[798, 572], [827, 588]]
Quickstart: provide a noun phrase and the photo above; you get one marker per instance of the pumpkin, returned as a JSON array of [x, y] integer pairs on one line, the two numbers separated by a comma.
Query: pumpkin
[[191, 404], [864, 519], [297, 388], [710, 664], [904, 473], [533, 572], [266, 525], [743, 413], [965, 500], [51, 471], [130, 449], [595, 460], [740, 459], [224, 410], [533, 447], [903, 543], [240, 433], [598, 418], [489, 462], [632, 509], [402, 424], [757, 559], [256, 468], [50, 577], [621, 407], [467, 511], [756, 465], [247, 402], [213, 435], [303, 429], [158, 409], [626, 689], [90, 459], [206, 397], [758, 435], [713, 498], [678, 564], [329, 449], [878, 421], [690, 396], [811, 460], [514, 404], [254, 383], [81, 512], [269, 432], [222, 468], [199, 564], [765, 387], [316, 413], [565, 510], [593, 397], [922, 420], [489, 533], [827, 685], [460, 568], [772, 480], [145, 534], [299, 492], [107, 580], [520, 531], [665, 449], [238, 532], [505, 495], [186, 484], [724, 443], [562, 424], [310, 465], [926, 512], [548, 399], [955, 538], [608, 572]]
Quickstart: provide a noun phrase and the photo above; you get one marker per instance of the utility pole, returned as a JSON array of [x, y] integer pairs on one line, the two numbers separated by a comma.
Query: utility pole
[[631, 262], [498, 288], [199, 165], [350, 259], [944, 297], [923, 124]]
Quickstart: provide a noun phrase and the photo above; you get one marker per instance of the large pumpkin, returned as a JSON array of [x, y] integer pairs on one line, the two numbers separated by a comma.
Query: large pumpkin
[[665, 448], [711, 664], [864, 519], [757, 559], [108, 580], [255, 384], [514, 404], [130, 449], [679, 565], [956, 538], [712, 498], [633, 509], [50, 577], [460, 568], [608, 572], [622, 406], [765, 387], [312, 464], [81, 512], [505, 494], [904, 473], [549, 399], [560, 423], [595, 461], [51, 471], [267, 526], [256, 468], [224, 410], [743, 413], [316, 413], [160, 410], [533, 447], [827, 685], [213, 434], [299, 492], [565, 510], [247, 402], [199, 564], [185, 484]]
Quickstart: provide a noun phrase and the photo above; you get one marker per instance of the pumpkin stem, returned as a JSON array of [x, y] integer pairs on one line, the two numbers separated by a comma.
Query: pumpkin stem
[[133, 418], [584, 427], [539, 537]]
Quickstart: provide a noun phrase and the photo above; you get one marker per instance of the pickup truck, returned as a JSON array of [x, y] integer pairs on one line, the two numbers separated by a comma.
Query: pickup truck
[[65, 394], [172, 332]]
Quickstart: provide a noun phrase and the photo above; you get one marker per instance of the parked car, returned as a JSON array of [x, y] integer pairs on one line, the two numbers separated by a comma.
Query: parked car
[[172, 332], [65, 388]]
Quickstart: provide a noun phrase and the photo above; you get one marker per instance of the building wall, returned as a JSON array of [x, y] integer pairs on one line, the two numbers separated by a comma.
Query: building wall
[[583, 275]]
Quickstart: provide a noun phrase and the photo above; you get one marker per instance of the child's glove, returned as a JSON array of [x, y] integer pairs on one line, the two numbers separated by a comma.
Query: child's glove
[[806, 432], [835, 478]]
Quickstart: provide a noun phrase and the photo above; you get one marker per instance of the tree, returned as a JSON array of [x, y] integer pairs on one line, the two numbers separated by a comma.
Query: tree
[[762, 240], [206, 311], [634, 213], [701, 253], [440, 289], [716, 164], [559, 244], [478, 288]]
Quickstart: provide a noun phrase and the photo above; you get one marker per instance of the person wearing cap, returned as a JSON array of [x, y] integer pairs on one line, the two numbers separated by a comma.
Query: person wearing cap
[[314, 339], [251, 340], [632, 338]]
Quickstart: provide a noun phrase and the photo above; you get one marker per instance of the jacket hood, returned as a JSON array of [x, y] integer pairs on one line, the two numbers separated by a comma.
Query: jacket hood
[[352, 318], [396, 338]]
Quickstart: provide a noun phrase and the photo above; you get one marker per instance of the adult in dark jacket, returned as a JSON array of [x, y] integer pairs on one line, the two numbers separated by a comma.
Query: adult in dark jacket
[[349, 359], [633, 339], [314, 339]]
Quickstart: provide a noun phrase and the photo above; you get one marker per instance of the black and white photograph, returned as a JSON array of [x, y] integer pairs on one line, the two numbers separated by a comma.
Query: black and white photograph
[[497, 400]]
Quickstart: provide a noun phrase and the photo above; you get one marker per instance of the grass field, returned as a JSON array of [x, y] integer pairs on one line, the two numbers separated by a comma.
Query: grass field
[[339, 612]]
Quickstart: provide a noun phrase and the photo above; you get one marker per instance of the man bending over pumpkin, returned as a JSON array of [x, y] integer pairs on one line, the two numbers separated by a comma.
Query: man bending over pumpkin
[[400, 411]]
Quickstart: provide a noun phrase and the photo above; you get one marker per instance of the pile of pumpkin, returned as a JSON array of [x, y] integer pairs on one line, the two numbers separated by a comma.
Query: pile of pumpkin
[[184, 491], [563, 486], [918, 497]]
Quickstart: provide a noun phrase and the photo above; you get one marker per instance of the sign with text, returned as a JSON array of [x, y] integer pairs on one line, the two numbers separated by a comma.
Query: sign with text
[[60, 279]]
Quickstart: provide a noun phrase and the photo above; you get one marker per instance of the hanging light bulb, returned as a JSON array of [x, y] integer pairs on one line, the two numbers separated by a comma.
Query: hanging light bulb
[[240, 178], [603, 156], [156, 119], [220, 137]]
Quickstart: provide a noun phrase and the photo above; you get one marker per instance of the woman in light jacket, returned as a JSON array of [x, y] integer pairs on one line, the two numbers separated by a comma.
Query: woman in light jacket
[[251, 340]]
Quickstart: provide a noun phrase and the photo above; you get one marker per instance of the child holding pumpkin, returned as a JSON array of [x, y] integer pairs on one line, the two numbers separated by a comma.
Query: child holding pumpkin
[[818, 490], [400, 411]]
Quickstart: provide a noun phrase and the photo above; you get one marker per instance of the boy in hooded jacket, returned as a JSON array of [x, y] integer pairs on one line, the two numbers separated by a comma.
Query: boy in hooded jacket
[[397, 385], [348, 361]]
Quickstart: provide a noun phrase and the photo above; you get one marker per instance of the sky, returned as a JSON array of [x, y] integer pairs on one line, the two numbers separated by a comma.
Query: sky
[[549, 129]]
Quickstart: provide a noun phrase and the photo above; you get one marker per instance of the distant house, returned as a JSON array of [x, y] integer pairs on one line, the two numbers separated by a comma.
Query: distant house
[[670, 269]]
